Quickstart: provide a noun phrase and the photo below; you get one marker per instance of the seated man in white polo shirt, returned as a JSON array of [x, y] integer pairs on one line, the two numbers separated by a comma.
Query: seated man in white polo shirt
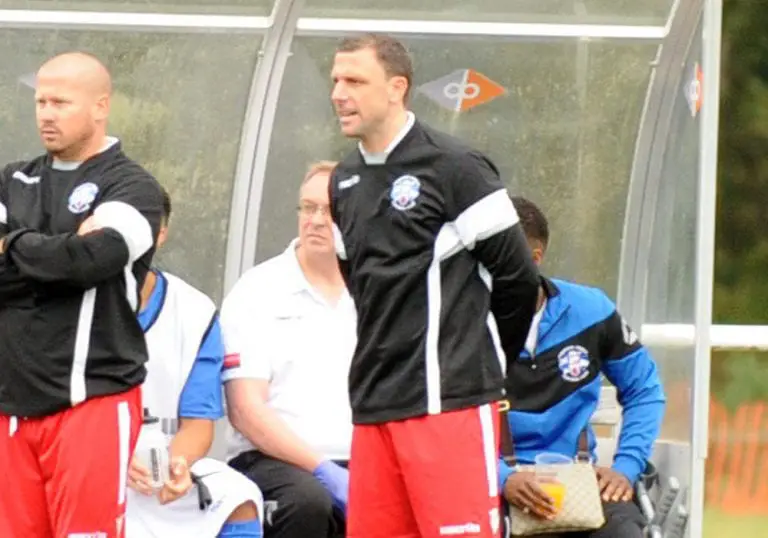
[[289, 328], [204, 498]]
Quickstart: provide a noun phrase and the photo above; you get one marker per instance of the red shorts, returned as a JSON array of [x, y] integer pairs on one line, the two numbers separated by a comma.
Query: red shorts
[[66, 474], [426, 477]]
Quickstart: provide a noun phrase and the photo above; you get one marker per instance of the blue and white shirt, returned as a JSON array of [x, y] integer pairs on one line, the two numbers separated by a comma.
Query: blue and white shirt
[[186, 354]]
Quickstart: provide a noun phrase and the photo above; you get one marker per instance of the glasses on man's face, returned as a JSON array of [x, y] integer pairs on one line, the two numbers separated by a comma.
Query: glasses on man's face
[[309, 209]]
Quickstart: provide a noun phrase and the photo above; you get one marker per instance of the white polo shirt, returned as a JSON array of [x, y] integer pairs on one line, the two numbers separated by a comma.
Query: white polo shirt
[[277, 328]]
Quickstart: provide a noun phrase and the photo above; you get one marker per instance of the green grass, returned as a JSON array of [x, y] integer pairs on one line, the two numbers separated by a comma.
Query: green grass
[[720, 525]]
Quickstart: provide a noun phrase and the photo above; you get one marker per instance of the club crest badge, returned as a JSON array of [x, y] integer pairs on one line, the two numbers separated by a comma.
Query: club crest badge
[[573, 362], [82, 197], [404, 193]]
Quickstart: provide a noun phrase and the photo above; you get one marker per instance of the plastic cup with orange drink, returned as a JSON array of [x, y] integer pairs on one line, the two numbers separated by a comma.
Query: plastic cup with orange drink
[[548, 467]]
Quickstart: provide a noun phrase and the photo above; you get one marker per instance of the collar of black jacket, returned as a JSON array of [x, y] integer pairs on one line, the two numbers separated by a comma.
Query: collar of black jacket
[[113, 147], [549, 287]]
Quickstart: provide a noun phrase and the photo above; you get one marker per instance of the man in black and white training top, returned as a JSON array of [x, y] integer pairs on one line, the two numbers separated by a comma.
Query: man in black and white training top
[[77, 236], [424, 231]]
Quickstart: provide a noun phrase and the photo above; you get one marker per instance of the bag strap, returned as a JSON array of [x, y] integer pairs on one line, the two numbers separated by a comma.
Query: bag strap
[[507, 445]]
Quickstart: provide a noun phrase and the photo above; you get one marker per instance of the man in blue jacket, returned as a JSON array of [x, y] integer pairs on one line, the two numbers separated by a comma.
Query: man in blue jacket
[[576, 338]]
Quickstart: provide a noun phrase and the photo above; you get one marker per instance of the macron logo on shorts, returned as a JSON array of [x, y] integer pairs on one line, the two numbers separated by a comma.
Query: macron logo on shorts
[[460, 530]]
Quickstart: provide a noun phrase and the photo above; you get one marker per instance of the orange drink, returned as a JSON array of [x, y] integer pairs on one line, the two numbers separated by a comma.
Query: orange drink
[[556, 491], [548, 465]]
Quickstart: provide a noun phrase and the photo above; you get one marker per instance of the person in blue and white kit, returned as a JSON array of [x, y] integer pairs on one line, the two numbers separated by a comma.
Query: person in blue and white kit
[[183, 389], [577, 337]]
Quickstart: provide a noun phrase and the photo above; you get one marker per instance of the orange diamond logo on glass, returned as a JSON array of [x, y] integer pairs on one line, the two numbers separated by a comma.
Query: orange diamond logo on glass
[[461, 90]]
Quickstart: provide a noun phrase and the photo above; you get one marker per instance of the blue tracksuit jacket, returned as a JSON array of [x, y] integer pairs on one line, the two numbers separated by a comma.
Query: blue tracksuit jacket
[[555, 392]]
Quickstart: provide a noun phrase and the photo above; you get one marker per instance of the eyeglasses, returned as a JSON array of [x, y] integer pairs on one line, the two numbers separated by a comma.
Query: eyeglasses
[[308, 209]]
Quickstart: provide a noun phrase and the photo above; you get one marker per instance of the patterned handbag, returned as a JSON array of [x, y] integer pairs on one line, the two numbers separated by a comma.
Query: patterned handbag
[[582, 508]]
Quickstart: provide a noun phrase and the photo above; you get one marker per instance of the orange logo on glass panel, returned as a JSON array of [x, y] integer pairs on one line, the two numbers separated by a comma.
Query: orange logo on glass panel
[[462, 90]]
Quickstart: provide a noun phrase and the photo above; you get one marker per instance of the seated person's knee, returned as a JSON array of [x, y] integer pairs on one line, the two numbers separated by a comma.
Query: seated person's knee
[[311, 500], [622, 520], [245, 512]]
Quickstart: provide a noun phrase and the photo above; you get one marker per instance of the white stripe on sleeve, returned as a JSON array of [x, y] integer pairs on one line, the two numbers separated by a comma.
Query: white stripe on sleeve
[[485, 218], [129, 223]]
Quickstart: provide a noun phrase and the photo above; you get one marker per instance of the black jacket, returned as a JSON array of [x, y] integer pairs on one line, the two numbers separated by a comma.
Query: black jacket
[[422, 237], [68, 303]]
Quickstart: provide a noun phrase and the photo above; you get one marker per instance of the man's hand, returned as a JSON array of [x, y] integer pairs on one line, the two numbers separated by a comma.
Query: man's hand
[[180, 481], [139, 478], [614, 486], [87, 226], [522, 490], [335, 479], [2, 245]]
